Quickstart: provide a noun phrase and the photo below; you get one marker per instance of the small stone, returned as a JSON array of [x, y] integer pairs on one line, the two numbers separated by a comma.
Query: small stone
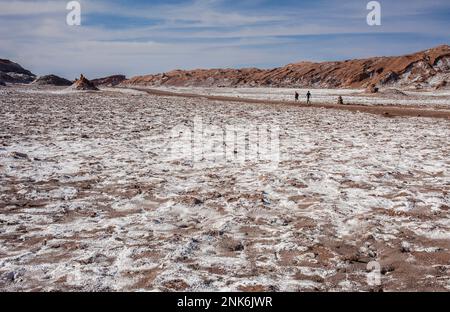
[[18, 155], [387, 269], [239, 247], [405, 248], [10, 277], [236, 247]]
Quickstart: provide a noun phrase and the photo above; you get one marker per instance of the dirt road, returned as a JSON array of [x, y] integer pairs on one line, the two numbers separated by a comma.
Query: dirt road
[[386, 111]]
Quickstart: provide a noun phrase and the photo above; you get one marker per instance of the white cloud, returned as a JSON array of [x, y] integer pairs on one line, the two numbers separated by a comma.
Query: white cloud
[[26, 8]]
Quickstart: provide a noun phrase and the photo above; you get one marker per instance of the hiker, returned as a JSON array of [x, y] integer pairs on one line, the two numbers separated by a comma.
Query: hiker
[[308, 98], [296, 96], [340, 100]]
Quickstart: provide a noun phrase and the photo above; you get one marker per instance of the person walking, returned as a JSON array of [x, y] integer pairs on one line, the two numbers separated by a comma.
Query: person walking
[[296, 96], [308, 98]]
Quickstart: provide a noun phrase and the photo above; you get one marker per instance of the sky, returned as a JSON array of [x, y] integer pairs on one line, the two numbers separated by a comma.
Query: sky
[[144, 37]]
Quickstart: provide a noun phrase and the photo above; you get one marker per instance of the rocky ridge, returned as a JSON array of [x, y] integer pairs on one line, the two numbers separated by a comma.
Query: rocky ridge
[[11, 72], [426, 69]]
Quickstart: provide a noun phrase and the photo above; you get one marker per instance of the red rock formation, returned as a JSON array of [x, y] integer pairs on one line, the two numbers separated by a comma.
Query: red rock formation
[[419, 69], [84, 84]]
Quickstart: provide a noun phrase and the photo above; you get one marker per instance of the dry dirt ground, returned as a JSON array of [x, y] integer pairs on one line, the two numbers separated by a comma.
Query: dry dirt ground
[[90, 201]]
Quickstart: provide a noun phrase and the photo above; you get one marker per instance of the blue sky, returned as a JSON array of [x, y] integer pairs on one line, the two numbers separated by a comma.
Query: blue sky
[[141, 37]]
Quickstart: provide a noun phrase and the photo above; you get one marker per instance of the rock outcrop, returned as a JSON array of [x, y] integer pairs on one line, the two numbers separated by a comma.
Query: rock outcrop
[[14, 73], [442, 85], [52, 80], [393, 93], [372, 89], [110, 81], [424, 69], [83, 84]]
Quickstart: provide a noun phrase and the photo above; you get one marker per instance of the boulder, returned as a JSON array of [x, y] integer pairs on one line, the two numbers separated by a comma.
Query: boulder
[[372, 89]]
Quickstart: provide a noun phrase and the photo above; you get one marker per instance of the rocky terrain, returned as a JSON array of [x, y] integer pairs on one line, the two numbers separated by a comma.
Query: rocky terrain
[[14, 73], [110, 81], [90, 200], [427, 69], [11, 72], [52, 80]]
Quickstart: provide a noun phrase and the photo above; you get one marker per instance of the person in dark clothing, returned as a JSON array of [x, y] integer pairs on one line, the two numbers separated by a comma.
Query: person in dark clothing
[[296, 96], [308, 98]]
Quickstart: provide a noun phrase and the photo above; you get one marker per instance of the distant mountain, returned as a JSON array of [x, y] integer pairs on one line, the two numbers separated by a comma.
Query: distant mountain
[[52, 80], [426, 69], [110, 81], [14, 73]]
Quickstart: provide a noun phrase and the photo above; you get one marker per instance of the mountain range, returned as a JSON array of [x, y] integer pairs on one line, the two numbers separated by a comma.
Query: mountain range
[[421, 70], [430, 68]]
